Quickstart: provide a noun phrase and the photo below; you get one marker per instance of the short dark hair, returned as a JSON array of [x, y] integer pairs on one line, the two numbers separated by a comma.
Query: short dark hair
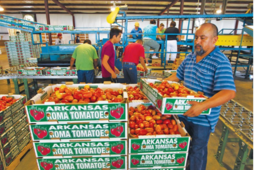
[[139, 41], [172, 24], [87, 41], [161, 24], [115, 31], [152, 21]]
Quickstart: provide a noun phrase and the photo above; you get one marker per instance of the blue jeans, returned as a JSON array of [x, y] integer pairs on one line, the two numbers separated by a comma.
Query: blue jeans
[[130, 73], [87, 76], [198, 146], [148, 44]]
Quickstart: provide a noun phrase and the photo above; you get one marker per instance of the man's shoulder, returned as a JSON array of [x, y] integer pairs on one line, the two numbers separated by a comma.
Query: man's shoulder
[[218, 57]]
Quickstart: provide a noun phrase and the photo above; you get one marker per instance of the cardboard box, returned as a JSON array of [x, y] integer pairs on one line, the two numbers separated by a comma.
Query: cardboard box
[[175, 67], [14, 107], [20, 124], [7, 136], [168, 73], [5, 125], [101, 110], [23, 132], [81, 148], [160, 160], [11, 155], [24, 142], [156, 62], [83, 131], [61, 71], [92, 163], [9, 146], [169, 105], [32, 71], [130, 100], [18, 115]]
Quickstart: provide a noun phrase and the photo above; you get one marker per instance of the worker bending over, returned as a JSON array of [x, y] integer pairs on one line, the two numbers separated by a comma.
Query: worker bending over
[[131, 56]]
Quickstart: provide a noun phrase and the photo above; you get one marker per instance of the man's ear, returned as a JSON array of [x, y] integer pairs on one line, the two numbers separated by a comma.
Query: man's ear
[[215, 39]]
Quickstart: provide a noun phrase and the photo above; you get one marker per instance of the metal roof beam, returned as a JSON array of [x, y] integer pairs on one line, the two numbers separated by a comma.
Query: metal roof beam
[[224, 5], [168, 7], [62, 6]]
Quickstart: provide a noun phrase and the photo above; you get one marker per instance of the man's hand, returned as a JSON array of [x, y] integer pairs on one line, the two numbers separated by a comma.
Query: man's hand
[[196, 109], [116, 71], [114, 76], [71, 68], [145, 70]]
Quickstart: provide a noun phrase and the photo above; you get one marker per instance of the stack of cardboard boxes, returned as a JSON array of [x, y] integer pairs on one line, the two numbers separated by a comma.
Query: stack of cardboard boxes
[[14, 131], [178, 61], [20, 49]]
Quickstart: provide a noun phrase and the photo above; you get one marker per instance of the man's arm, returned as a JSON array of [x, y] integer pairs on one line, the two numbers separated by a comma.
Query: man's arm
[[107, 66], [173, 77], [71, 63], [143, 64], [158, 36], [116, 70], [95, 63], [179, 37], [218, 99]]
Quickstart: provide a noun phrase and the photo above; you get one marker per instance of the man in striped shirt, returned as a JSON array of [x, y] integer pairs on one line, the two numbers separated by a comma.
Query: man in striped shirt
[[209, 71]]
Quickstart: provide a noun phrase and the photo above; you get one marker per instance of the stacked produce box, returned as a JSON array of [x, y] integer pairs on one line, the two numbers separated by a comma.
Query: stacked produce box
[[53, 27], [155, 141], [79, 127], [168, 73], [12, 53], [157, 138], [178, 61], [14, 130], [20, 49], [61, 71], [170, 97], [31, 71]]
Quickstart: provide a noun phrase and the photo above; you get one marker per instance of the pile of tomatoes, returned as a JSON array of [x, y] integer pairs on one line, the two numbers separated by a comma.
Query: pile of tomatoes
[[174, 90], [149, 121], [6, 101], [140, 68], [134, 93], [65, 94]]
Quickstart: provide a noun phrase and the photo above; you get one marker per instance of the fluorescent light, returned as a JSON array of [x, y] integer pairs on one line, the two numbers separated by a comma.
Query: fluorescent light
[[112, 8], [219, 11], [1, 8]]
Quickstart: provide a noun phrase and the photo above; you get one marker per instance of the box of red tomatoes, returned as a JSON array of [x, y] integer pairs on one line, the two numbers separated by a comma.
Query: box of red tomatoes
[[156, 140], [141, 72], [146, 120], [170, 97], [135, 94], [10, 104], [93, 147], [78, 102], [92, 163]]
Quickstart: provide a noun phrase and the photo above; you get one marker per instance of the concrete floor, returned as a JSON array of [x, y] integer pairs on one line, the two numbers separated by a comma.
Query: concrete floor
[[244, 96]]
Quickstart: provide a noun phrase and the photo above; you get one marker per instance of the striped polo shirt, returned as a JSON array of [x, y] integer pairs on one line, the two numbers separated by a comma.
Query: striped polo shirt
[[210, 75]]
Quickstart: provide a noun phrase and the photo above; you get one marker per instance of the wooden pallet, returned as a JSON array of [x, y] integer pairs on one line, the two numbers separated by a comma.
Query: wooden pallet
[[18, 159]]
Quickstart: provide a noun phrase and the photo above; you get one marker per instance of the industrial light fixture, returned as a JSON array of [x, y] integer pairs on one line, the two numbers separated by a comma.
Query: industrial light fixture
[[219, 11], [1, 8], [113, 7]]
